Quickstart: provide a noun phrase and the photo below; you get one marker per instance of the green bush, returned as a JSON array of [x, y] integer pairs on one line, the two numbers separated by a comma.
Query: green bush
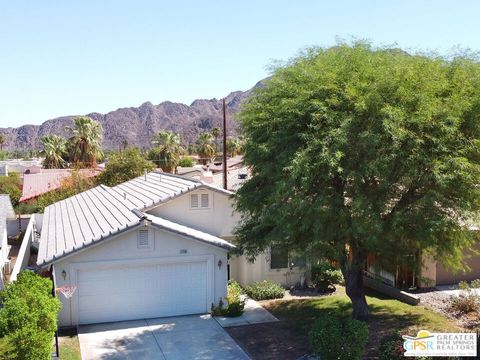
[[186, 162], [29, 316], [325, 276], [265, 290], [235, 303], [335, 338], [391, 347]]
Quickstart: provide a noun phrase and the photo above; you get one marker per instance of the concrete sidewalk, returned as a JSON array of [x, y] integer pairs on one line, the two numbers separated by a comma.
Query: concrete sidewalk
[[253, 313]]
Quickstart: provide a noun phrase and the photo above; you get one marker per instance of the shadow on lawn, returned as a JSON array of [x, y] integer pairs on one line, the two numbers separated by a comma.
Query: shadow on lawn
[[386, 316]]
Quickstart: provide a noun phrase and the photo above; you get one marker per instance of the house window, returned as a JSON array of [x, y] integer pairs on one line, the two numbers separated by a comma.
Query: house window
[[281, 258], [278, 257], [199, 201], [143, 240]]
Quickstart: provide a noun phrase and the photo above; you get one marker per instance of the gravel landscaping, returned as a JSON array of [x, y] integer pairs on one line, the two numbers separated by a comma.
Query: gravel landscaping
[[439, 300]]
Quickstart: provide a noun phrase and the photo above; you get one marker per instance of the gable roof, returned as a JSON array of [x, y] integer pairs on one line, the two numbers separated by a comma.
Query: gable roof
[[99, 213]]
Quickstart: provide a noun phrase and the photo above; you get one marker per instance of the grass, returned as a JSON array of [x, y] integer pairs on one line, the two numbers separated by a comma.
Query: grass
[[69, 346], [386, 315]]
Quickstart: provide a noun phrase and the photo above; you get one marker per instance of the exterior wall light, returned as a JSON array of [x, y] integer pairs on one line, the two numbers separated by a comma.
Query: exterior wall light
[[219, 263], [64, 274]]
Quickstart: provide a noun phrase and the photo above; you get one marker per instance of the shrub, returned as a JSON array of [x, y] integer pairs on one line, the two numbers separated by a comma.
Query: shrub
[[29, 316], [11, 185], [325, 276], [391, 347], [235, 302], [186, 162], [338, 339], [466, 301], [265, 290]]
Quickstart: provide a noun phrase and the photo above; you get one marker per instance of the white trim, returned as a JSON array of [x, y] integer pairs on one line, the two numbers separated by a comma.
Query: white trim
[[74, 268]]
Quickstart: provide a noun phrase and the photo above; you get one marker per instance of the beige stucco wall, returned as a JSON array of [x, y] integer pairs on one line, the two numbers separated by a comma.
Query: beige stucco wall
[[246, 272], [219, 220], [124, 247]]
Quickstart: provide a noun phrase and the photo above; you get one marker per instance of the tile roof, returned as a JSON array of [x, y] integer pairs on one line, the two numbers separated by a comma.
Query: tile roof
[[47, 180], [96, 214], [235, 178]]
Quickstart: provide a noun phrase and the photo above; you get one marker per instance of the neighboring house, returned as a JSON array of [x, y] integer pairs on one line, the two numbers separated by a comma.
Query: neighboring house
[[45, 180], [154, 246], [7, 214], [20, 166], [232, 163], [235, 178], [191, 171]]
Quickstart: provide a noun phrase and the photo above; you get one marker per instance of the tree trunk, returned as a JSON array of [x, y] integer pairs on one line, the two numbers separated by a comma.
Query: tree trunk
[[354, 289]]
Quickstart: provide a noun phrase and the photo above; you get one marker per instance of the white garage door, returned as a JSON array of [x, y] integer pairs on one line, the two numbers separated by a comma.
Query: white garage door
[[137, 292]]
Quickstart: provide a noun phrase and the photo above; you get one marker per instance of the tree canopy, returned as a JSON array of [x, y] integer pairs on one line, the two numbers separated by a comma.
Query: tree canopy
[[54, 150], [205, 149], [123, 166], [86, 141], [356, 150], [166, 151]]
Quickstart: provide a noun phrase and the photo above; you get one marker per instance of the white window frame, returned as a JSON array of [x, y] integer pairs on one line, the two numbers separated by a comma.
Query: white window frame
[[199, 196]]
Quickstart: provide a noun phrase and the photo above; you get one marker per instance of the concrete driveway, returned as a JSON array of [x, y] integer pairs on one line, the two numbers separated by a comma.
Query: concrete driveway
[[183, 337]]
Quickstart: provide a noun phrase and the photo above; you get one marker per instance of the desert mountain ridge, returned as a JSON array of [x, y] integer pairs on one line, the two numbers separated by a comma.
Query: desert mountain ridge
[[137, 125]]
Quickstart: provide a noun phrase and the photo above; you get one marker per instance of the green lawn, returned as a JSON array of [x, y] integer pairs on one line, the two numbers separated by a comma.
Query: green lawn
[[386, 315], [69, 346]]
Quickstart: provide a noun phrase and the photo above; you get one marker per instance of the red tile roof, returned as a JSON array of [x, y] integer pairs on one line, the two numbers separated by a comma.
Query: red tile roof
[[49, 179]]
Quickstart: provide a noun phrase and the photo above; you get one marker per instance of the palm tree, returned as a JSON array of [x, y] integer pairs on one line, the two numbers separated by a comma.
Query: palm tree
[[233, 147], [3, 140], [168, 150], [85, 142], [216, 134], [54, 149], [205, 149]]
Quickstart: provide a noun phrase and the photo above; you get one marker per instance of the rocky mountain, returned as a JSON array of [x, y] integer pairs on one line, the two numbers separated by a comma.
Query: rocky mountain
[[138, 124]]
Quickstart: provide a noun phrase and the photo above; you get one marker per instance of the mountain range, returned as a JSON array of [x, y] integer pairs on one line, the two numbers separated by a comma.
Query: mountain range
[[137, 125]]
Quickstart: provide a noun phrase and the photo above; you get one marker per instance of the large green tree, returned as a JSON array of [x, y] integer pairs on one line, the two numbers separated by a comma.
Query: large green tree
[[54, 150], [167, 150], [123, 166], [355, 151], [85, 144]]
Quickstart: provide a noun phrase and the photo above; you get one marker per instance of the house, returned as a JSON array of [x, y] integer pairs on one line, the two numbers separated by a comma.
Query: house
[[7, 215], [232, 163], [45, 180], [20, 166], [150, 247]]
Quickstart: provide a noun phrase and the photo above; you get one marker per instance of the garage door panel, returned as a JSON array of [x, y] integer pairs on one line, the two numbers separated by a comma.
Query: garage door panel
[[123, 293]]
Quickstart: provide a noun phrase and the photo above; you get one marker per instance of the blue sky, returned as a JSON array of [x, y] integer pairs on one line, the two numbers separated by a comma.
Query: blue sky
[[74, 57]]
